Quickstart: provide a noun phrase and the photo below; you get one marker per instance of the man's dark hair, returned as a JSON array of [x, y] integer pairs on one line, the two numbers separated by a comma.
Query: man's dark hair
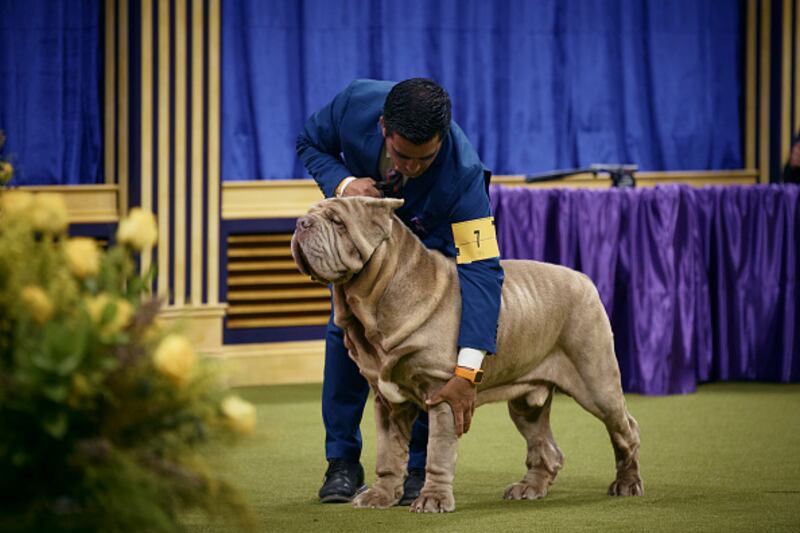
[[417, 109]]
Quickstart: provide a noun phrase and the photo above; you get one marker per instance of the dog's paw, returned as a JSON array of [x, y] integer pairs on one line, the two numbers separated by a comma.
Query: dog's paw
[[374, 498], [526, 491], [434, 502], [627, 487]]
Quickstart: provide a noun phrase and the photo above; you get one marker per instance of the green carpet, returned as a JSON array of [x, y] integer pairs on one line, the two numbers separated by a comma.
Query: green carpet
[[726, 458]]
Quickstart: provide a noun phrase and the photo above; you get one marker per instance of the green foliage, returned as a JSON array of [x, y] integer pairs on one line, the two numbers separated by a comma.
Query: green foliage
[[94, 435]]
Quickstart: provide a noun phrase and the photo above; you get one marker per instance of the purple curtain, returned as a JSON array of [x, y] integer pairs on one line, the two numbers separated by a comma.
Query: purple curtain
[[700, 284]]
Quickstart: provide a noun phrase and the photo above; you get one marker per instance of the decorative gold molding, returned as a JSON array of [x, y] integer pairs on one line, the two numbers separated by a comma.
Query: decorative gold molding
[[292, 198], [643, 179], [268, 199], [273, 363], [694, 178], [86, 204], [202, 324]]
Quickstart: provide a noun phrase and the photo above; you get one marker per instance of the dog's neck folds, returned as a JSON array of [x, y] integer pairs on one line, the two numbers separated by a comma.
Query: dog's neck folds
[[393, 272]]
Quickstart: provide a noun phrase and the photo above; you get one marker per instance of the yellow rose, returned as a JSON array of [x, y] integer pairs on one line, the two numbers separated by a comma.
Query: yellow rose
[[6, 172], [175, 358], [239, 414], [15, 203], [38, 303], [139, 230], [49, 213], [83, 257], [123, 312]]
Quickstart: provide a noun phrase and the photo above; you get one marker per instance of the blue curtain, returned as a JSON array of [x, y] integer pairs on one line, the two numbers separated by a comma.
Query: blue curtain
[[699, 284], [536, 85], [50, 90]]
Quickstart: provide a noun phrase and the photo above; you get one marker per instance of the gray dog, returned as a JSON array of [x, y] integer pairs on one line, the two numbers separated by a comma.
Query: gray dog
[[399, 306]]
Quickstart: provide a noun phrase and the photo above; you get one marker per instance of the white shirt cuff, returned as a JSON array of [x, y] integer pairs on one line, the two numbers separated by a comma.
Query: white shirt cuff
[[471, 358], [343, 185]]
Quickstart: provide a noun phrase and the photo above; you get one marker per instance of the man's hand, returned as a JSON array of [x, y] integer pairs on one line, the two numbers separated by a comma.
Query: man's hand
[[461, 394], [362, 187]]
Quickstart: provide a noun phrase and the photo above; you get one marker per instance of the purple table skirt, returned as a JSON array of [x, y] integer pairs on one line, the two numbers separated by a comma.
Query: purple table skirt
[[700, 284]]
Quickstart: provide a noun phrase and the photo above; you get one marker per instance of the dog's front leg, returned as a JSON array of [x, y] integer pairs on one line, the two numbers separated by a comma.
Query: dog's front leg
[[393, 423], [437, 494]]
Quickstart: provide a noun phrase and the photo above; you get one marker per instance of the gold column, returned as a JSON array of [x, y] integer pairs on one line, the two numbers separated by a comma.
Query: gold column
[[750, 86], [196, 295], [202, 320], [786, 82], [179, 266], [109, 122], [123, 174], [213, 149], [763, 129], [163, 149], [146, 146], [797, 70]]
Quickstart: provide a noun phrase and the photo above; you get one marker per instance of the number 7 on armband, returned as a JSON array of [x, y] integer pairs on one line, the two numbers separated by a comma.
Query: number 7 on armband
[[475, 240]]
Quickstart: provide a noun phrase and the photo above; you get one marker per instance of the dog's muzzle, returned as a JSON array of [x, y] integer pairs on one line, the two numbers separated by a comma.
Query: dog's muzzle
[[301, 233]]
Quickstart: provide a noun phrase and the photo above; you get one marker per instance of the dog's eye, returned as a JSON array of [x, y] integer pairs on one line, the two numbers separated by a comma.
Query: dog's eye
[[336, 220]]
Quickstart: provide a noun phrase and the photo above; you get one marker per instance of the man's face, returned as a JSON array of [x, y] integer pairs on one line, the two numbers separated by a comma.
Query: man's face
[[410, 159]]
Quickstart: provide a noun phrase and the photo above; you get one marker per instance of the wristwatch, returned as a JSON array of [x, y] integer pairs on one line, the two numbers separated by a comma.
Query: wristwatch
[[473, 375]]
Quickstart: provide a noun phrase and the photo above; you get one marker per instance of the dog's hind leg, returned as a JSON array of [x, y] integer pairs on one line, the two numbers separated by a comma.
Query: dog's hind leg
[[596, 387], [592, 378], [624, 432], [531, 415], [599, 392]]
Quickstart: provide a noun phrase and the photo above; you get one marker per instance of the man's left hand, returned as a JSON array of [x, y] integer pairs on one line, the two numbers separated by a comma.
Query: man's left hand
[[461, 394]]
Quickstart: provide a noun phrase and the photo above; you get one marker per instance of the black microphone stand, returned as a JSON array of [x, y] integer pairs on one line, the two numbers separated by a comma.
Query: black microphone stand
[[622, 175]]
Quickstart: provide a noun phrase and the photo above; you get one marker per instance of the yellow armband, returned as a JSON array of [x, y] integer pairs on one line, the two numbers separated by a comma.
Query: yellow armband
[[475, 240]]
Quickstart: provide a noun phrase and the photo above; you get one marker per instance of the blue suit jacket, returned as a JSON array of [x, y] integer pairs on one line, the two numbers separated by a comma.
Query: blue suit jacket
[[344, 139]]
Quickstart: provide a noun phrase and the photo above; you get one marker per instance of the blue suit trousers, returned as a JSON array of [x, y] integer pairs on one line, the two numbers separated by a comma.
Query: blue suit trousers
[[344, 394]]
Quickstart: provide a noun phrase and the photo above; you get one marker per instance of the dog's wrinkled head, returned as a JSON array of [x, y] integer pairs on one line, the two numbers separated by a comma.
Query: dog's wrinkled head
[[336, 238]]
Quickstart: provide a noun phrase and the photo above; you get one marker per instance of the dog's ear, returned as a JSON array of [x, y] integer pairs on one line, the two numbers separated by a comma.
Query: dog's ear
[[392, 204], [387, 204], [369, 221]]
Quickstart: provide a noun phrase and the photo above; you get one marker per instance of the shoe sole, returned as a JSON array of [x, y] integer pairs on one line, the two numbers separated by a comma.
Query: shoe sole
[[341, 498]]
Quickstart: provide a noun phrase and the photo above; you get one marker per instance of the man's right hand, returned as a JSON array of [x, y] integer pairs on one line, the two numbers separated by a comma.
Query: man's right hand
[[362, 187]]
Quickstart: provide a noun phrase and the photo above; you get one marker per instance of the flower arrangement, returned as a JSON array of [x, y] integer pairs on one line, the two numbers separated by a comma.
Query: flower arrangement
[[104, 414]]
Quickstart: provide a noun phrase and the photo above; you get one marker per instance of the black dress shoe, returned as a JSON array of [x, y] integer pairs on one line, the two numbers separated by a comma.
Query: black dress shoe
[[412, 485], [342, 482]]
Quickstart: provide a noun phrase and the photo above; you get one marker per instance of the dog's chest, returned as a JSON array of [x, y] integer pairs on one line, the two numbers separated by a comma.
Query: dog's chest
[[370, 364]]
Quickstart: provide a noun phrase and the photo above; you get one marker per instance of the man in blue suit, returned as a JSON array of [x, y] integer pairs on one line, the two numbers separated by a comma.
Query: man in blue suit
[[378, 138]]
